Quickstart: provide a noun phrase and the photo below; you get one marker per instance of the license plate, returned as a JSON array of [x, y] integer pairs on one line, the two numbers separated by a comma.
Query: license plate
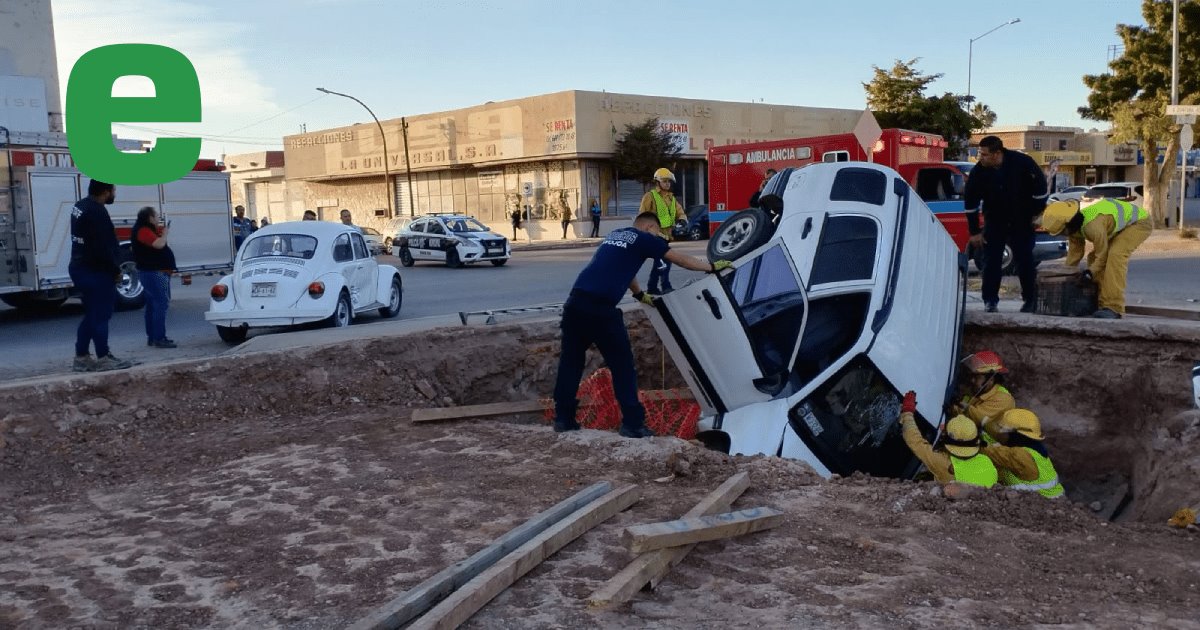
[[811, 421], [262, 289]]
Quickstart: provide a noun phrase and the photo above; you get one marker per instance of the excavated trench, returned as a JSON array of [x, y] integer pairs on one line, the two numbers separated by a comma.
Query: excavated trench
[[1113, 400]]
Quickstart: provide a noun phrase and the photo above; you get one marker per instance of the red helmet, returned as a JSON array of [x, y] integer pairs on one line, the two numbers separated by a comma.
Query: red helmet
[[985, 362]]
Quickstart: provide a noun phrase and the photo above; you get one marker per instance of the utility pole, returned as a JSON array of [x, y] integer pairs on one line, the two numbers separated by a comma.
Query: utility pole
[[1183, 151], [412, 211]]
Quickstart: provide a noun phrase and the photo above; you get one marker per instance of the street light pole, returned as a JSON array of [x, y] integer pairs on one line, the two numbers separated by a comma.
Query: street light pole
[[971, 54], [387, 188]]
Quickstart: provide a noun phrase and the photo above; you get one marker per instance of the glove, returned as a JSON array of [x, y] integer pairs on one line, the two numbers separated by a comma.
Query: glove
[[644, 298], [910, 403], [721, 265], [1085, 277]]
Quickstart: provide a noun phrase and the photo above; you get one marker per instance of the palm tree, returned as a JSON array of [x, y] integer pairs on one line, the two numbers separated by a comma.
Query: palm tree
[[983, 114]]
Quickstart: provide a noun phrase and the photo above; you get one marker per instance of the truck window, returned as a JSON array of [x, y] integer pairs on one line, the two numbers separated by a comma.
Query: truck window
[[936, 184], [835, 156], [846, 250], [771, 303], [835, 323]]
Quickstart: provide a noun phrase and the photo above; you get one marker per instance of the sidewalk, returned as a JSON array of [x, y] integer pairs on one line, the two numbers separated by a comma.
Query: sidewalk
[[573, 243], [1167, 240]]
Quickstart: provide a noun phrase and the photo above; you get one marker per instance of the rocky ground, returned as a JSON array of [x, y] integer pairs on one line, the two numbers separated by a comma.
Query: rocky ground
[[169, 497]]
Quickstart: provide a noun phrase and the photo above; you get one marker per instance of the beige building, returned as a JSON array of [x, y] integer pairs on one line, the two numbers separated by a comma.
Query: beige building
[[29, 90], [1085, 157], [542, 155], [256, 181]]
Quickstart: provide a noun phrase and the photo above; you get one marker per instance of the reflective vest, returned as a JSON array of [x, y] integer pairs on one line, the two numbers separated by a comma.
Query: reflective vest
[[977, 470], [666, 216], [1123, 213], [1046, 483]]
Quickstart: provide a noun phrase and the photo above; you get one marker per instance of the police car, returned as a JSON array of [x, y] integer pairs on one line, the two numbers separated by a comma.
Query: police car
[[453, 239]]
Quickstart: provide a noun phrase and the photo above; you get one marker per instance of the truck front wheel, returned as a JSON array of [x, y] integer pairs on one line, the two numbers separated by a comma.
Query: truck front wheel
[[130, 292], [740, 234]]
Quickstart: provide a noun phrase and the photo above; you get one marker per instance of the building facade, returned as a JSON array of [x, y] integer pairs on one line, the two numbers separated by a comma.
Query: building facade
[[257, 182], [29, 91], [1084, 158], [544, 156]]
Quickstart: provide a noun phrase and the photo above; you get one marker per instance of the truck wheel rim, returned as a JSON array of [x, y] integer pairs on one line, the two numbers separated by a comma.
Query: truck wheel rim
[[733, 236], [130, 286]]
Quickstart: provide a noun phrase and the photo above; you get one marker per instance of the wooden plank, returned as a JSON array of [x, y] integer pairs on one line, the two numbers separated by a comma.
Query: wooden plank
[[440, 414], [687, 531], [466, 601], [651, 567], [1160, 311], [423, 596]]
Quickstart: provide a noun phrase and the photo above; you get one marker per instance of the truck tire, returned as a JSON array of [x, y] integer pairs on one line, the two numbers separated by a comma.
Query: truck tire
[[130, 292], [230, 334], [740, 234]]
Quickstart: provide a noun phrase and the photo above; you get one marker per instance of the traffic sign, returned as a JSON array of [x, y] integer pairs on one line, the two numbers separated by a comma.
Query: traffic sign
[[1183, 110], [1185, 138]]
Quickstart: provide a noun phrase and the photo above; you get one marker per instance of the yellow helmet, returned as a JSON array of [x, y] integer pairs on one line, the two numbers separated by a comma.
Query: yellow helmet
[[962, 437], [662, 174], [1022, 421], [1057, 214]]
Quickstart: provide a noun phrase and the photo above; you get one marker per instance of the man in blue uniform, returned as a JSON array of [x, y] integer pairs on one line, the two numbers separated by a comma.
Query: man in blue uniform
[[591, 316]]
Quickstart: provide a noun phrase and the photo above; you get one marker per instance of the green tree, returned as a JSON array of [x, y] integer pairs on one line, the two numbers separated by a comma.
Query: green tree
[[897, 97], [1134, 93], [983, 114], [644, 148]]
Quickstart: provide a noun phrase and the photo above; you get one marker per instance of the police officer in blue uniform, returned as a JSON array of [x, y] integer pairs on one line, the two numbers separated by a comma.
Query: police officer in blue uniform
[[590, 315]]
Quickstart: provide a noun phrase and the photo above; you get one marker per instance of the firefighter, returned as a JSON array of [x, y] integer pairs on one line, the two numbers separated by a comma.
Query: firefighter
[[661, 203], [1115, 228], [985, 396], [1020, 455], [960, 460]]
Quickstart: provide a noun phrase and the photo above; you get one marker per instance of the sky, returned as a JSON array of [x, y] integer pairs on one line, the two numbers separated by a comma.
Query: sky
[[260, 61]]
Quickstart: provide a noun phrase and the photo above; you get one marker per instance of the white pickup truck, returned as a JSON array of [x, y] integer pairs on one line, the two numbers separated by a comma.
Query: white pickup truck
[[38, 187], [845, 292]]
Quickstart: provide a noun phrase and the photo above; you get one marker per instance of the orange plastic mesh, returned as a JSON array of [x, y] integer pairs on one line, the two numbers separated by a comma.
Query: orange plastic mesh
[[598, 408]]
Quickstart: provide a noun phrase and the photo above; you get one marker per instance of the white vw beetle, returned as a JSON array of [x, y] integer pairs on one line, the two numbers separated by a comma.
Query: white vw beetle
[[302, 272]]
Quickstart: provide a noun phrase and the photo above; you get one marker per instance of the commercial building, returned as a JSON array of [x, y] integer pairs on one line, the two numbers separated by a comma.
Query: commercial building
[[1084, 157], [541, 155], [29, 91], [256, 181]]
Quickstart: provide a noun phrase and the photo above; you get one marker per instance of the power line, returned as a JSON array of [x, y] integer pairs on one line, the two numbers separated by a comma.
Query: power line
[[272, 140], [272, 117]]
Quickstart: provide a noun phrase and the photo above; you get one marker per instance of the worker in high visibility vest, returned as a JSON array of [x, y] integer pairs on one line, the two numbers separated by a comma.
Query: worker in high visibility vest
[[1115, 228], [1020, 456], [958, 459], [662, 204], [985, 395]]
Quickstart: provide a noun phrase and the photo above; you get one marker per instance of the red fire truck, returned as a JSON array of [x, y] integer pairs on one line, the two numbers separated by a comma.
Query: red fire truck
[[38, 186], [736, 171]]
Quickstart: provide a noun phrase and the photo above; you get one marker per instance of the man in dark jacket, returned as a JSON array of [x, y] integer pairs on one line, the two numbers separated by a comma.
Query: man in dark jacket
[[1012, 189], [95, 270]]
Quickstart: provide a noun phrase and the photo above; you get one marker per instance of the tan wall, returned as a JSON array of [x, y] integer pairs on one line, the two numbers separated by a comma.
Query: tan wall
[[27, 49]]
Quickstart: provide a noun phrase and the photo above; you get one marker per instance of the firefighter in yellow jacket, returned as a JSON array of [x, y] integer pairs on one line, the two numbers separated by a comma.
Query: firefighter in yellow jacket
[[662, 204], [960, 461], [985, 396], [1020, 456], [1115, 228]]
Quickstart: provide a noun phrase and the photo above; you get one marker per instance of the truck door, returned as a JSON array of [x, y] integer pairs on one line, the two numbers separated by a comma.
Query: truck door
[[52, 195], [735, 336]]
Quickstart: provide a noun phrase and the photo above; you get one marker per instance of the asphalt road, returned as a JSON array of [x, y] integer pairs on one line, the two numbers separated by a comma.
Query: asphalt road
[[36, 344]]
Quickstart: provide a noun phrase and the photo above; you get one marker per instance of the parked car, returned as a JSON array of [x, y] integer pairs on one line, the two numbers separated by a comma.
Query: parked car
[[844, 293], [696, 226], [1126, 191], [453, 239], [298, 273], [1070, 192], [376, 242]]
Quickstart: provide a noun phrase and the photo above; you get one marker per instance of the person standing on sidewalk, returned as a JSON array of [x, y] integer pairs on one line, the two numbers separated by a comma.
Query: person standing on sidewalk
[[661, 203], [590, 315], [1115, 228], [594, 212], [155, 263], [95, 269], [1012, 189], [240, 225], [564, 210]]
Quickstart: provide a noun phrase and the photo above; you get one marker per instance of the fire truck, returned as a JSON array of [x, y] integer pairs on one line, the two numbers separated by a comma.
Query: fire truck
[[735, 172], [39, 185]]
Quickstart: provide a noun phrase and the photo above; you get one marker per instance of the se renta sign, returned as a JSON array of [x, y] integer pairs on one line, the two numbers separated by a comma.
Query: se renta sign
[[91, 110]]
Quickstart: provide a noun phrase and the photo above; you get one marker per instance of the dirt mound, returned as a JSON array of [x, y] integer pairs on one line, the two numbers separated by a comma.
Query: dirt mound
[[288, 490]]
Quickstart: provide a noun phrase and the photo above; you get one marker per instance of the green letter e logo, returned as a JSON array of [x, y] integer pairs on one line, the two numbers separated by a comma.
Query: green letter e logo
[[91, 110]]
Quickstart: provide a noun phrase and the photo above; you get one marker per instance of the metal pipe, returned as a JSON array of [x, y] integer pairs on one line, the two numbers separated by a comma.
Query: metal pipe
[[412, 209], [387, 188]]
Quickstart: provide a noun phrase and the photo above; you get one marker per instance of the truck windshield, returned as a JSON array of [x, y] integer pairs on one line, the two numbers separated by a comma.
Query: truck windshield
[[768, 295], [288, 245]]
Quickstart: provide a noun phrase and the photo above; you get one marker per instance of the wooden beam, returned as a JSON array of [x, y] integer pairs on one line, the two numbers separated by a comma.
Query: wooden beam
[[687, 531], [651, 567], [440, 414], [466, 601], [1160, 311], [423, 596]]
